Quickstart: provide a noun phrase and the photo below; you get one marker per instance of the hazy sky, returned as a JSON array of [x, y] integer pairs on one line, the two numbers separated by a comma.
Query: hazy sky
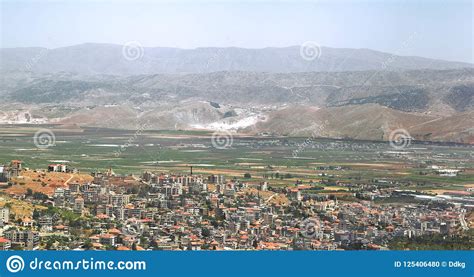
[[429, 28]]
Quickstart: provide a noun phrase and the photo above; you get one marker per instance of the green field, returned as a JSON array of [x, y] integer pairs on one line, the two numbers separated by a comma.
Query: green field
[[94, 149]]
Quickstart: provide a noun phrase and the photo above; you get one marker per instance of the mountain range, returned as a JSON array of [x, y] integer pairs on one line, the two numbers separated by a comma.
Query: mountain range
[[342, 93], [134, 59]]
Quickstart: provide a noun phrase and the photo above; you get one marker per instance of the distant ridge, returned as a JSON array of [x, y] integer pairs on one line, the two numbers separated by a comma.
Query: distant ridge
[[93, 58]]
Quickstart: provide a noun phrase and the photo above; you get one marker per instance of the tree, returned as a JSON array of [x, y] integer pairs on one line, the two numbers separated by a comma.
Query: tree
[[87, 244], [49, 244], [205, 232], [247, 175], [153, 244], [39, 196], [255, 244]]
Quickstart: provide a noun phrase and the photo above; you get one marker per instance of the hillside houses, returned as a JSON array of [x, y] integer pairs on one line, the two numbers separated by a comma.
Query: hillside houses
[[196, 212]]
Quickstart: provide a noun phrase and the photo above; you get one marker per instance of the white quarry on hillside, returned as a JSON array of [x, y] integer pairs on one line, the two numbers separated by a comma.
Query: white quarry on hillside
[[244, 119]]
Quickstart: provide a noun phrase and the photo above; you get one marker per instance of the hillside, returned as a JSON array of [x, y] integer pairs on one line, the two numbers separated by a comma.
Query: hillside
[[96, 59], [431, 104]]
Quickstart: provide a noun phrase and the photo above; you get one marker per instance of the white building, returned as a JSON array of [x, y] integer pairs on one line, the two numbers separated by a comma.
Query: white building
[[4, 214]]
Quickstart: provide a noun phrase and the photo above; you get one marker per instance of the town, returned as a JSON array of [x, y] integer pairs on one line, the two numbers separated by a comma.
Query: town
[[70, 210]]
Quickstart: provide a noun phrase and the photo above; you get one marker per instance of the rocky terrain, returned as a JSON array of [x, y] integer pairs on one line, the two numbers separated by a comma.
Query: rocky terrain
[[363, 101]]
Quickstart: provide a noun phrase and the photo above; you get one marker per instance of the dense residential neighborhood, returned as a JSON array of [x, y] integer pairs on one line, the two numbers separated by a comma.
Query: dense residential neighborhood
[[165, 211]]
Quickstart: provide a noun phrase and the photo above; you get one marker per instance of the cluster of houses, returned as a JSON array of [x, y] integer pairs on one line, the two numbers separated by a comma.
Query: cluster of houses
[[195, 212], [11, 170]]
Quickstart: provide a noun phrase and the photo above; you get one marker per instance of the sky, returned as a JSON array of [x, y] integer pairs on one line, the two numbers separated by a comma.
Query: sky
[[440, 29]]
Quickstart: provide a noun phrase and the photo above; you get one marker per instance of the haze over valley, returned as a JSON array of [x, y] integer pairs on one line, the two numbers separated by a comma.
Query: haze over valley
[[342, 93]]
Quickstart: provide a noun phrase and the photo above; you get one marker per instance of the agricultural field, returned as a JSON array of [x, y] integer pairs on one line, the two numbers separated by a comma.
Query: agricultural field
[[281, 161]]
